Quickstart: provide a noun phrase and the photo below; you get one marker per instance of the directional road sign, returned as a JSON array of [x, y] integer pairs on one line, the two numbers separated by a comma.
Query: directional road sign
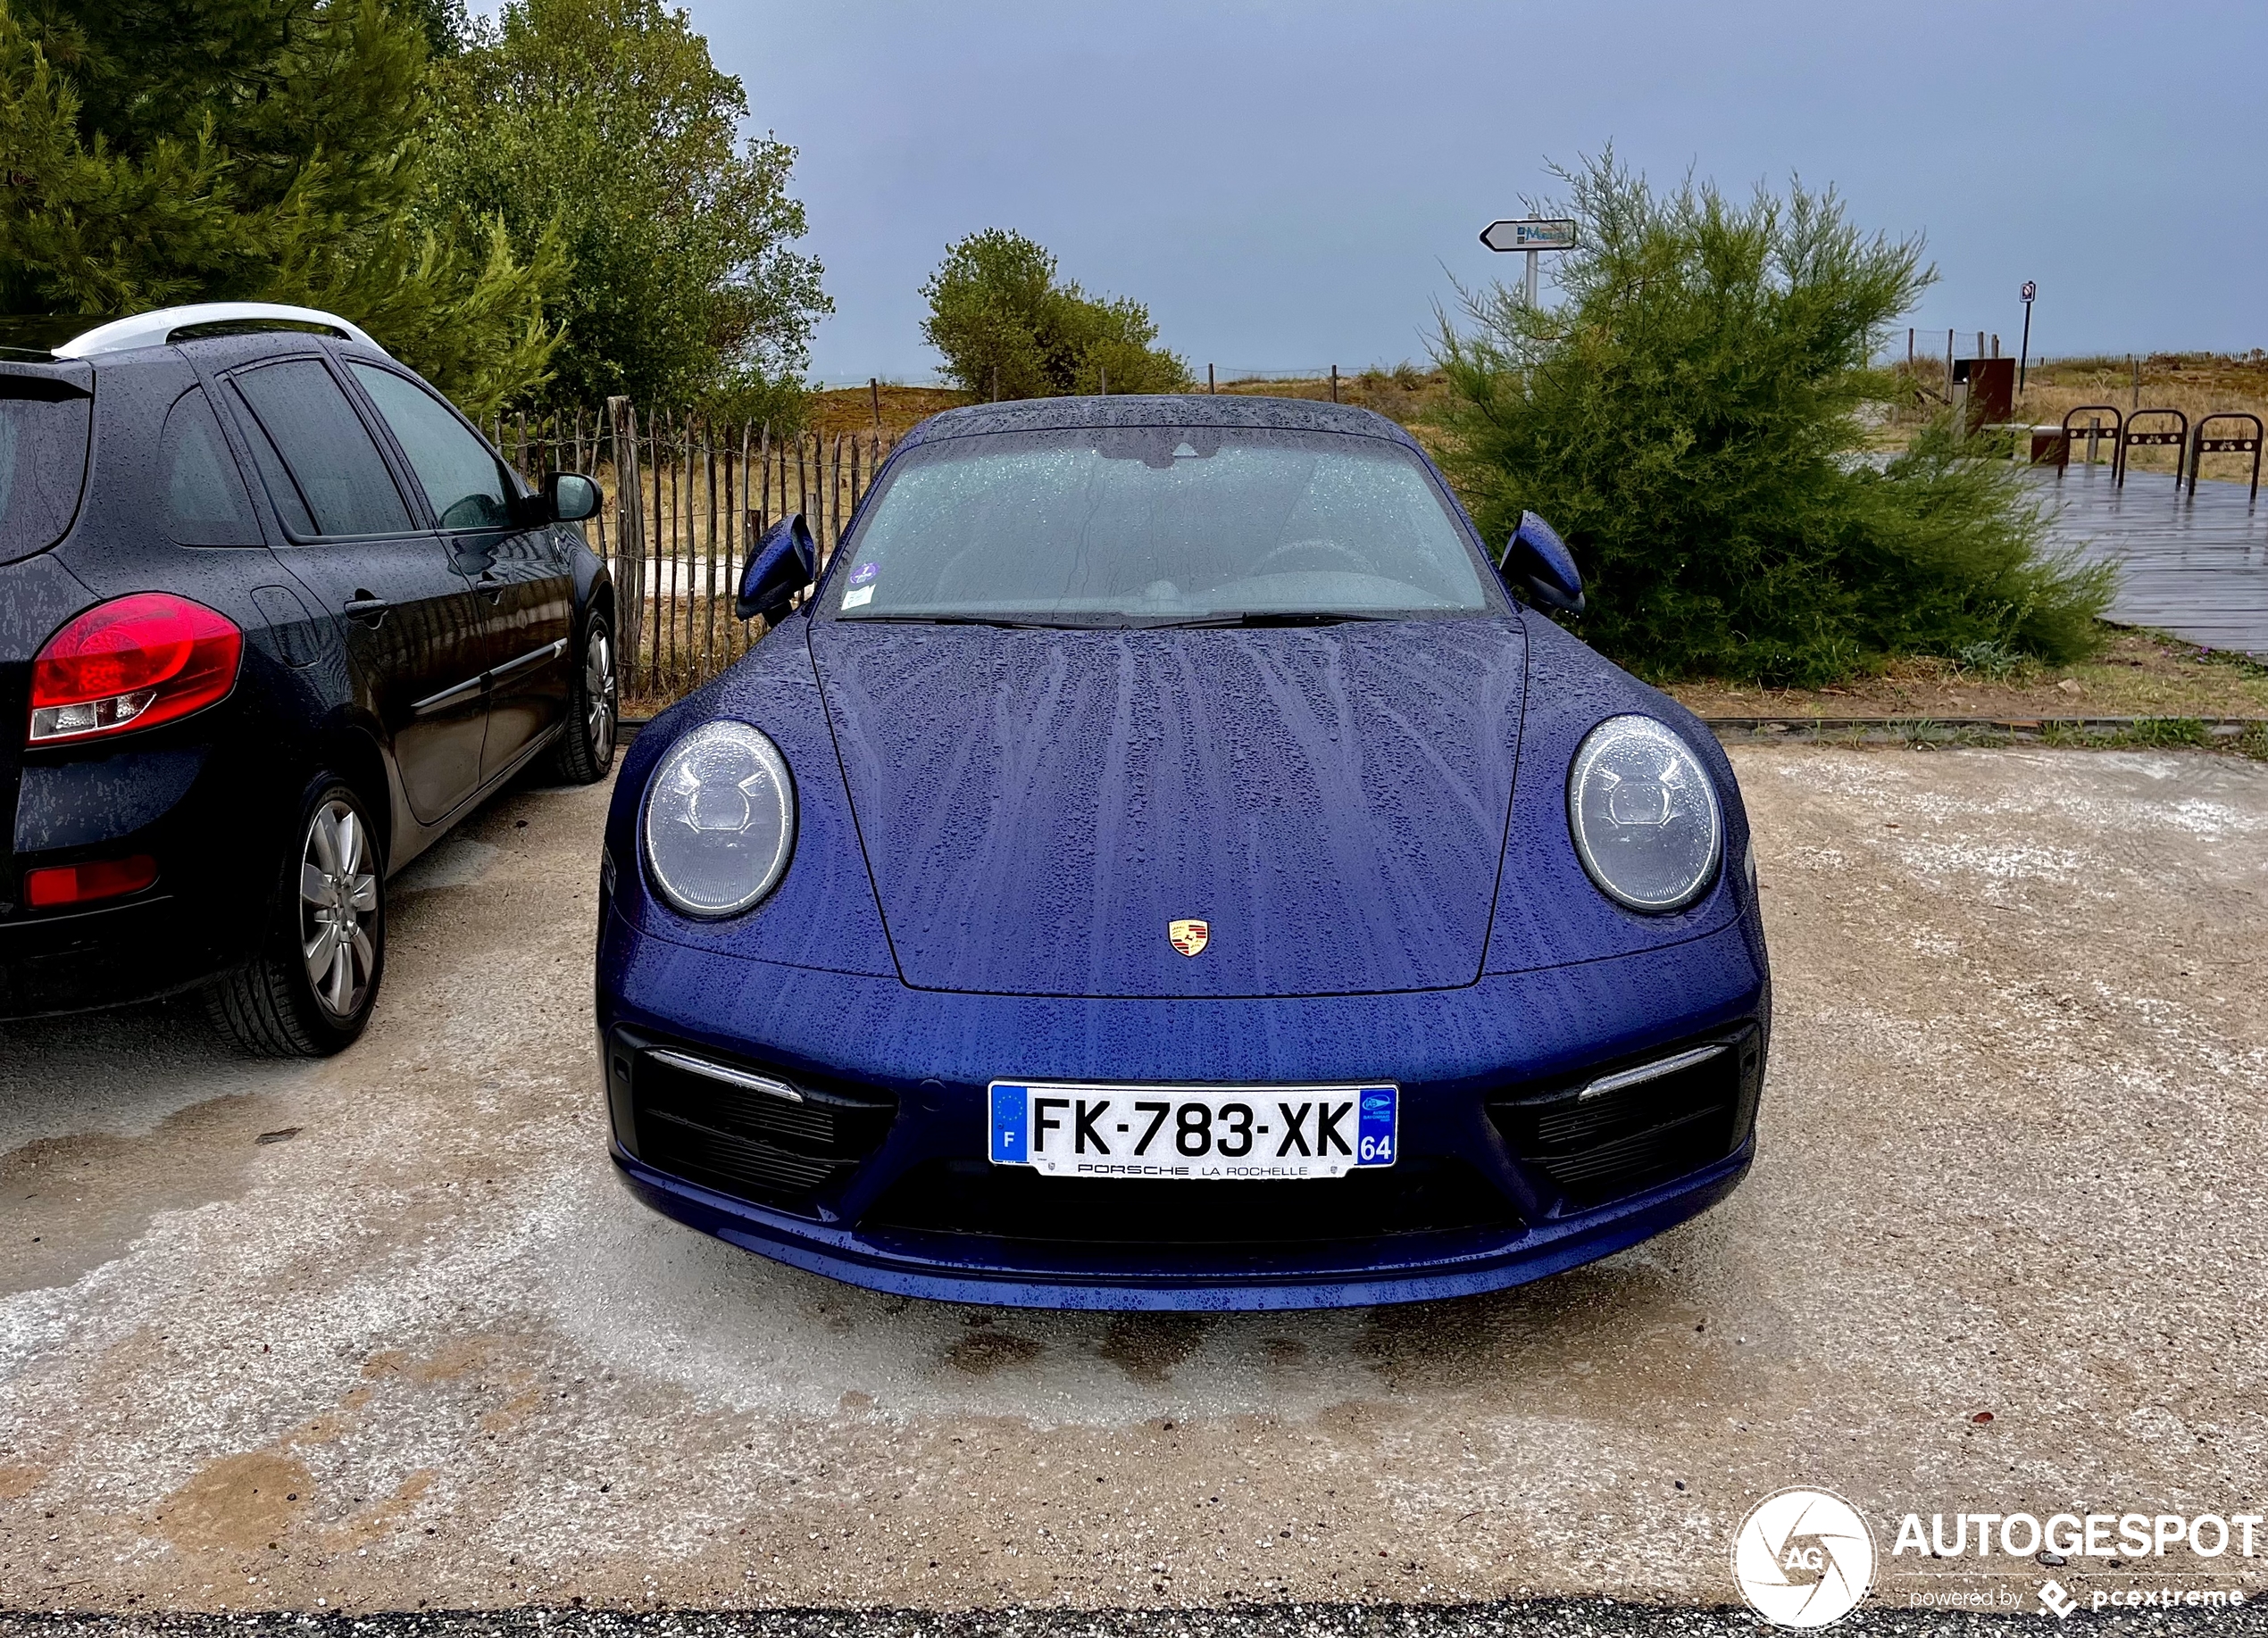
[[1533, 233]]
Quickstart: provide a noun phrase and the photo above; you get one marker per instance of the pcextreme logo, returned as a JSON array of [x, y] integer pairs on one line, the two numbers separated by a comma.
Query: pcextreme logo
[[1803, 1558]]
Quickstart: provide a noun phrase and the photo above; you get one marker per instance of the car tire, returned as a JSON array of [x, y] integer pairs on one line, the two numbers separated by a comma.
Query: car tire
[[309, 990], [586, 747]]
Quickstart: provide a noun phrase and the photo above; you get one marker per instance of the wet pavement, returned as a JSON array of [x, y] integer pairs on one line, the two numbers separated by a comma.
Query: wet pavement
[[384, 1333], [2194, 563]]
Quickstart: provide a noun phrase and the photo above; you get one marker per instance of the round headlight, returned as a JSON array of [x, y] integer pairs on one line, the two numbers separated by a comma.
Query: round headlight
[[1644, 815], [720, 819]]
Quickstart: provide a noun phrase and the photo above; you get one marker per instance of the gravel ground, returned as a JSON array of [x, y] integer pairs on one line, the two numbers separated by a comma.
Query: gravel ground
[[383, 1333]]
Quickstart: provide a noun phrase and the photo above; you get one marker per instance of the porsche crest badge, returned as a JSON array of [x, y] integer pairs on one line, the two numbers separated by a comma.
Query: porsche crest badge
[[1188, 936]]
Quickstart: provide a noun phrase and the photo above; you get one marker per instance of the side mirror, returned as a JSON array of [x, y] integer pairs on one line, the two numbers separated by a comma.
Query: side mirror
[[571, 497], [1538, 566], [779, 565]]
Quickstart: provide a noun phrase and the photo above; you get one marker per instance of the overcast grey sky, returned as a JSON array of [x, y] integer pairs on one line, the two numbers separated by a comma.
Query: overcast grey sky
[[1295, 184]]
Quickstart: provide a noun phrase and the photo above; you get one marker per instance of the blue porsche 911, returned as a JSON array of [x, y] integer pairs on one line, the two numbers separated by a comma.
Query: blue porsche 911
[[1169, 862]]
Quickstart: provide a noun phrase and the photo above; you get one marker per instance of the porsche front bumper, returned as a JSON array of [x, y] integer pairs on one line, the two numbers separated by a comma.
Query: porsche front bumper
[[879, 1178]]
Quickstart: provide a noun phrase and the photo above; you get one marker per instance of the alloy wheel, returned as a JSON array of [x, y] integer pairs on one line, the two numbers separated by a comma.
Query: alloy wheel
[[599, 695], [338, 896]]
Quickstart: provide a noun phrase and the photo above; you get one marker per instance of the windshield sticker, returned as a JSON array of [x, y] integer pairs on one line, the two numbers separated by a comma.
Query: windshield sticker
[[864, 572], [858, 597]]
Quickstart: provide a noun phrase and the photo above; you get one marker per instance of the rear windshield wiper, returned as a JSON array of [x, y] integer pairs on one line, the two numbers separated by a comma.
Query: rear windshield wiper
[[1284, 617]]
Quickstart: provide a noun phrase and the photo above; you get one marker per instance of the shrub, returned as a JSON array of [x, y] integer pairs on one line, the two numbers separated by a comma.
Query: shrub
[[1689, 417], [1010, 329]]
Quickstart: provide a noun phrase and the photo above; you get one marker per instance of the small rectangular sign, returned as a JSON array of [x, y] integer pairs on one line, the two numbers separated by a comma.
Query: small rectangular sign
[[1530, 233]]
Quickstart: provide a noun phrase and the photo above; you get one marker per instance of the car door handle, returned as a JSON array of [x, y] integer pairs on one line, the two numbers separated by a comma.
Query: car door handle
[[371, 610], [492, 583]]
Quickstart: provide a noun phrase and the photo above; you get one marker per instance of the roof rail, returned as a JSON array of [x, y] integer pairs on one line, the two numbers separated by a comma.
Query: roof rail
[[156, 330]]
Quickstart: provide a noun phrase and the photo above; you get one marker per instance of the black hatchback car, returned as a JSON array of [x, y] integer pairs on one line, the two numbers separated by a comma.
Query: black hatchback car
[[273, 616]]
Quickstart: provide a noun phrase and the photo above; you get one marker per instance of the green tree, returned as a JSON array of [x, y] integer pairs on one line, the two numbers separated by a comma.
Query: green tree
[[250, 149], [606, 123], [1689, 418], [1008, 328]]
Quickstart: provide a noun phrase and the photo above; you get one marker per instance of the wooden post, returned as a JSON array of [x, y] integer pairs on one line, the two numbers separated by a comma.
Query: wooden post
[[630, 525], [834, 497], [653, 624], [1104, 371], [709, 616], [764, 490], [1334, 383], [665, 575], [874, 391], [1209, 385]]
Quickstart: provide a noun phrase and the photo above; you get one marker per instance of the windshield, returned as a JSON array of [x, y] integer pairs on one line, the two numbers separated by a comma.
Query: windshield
[[43, 461], [1161, 526]]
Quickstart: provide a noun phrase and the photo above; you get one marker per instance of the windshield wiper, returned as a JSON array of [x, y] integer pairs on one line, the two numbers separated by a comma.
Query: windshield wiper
[[954, 620], [1284, 617]]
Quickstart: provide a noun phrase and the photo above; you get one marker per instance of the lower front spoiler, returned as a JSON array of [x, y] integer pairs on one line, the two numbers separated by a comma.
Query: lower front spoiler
[[1533, 1253]]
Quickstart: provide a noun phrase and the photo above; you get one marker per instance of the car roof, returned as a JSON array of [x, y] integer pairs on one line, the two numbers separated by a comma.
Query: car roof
[[1157, 409]]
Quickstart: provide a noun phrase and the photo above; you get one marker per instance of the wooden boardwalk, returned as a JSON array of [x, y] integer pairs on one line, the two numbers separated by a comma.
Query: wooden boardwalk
[[2195, 567]]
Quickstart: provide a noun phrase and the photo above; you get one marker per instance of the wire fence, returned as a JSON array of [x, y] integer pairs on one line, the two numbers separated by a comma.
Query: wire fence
[[684, 499]]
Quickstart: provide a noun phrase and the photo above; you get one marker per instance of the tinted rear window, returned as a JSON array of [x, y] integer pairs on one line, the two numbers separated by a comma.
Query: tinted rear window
[[43, 463], [204, 499]]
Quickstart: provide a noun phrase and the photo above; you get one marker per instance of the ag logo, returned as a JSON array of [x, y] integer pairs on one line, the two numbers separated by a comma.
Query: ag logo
[[1188, 936], [1804, 1558]]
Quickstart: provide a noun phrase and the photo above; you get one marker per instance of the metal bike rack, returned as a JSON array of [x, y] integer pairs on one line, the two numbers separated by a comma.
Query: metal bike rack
[[2094, 432], [2177, 440], [2201, 446]]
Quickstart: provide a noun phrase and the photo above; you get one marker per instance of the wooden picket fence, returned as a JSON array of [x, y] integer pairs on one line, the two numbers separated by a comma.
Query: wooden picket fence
[[685, 499]]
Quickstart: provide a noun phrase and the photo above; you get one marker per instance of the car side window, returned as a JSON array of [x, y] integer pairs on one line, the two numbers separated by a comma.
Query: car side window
[[205, 502], [291, 506], [461, 477], [328, 452]]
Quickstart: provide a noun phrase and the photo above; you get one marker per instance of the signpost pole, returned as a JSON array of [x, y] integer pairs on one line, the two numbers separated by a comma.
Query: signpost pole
[[1533, 256], [2024, 351]]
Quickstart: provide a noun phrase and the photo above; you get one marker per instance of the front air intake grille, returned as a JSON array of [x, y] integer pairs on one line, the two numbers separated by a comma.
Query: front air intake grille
[[1626, 1126], [1012, 1202], [707, 1119]]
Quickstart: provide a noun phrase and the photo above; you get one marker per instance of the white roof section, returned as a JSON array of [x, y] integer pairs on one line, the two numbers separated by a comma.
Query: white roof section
[[155, 329]]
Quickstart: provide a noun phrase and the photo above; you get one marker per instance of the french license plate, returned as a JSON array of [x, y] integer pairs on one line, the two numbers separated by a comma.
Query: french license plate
[[1194, 1132]]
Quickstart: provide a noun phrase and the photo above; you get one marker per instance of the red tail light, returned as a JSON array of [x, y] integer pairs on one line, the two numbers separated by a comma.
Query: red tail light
[[132, 663], [97, 878]]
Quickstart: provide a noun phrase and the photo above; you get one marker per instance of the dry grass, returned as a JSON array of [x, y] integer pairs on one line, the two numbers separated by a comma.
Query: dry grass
[[2138, 674], [848, 410]]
